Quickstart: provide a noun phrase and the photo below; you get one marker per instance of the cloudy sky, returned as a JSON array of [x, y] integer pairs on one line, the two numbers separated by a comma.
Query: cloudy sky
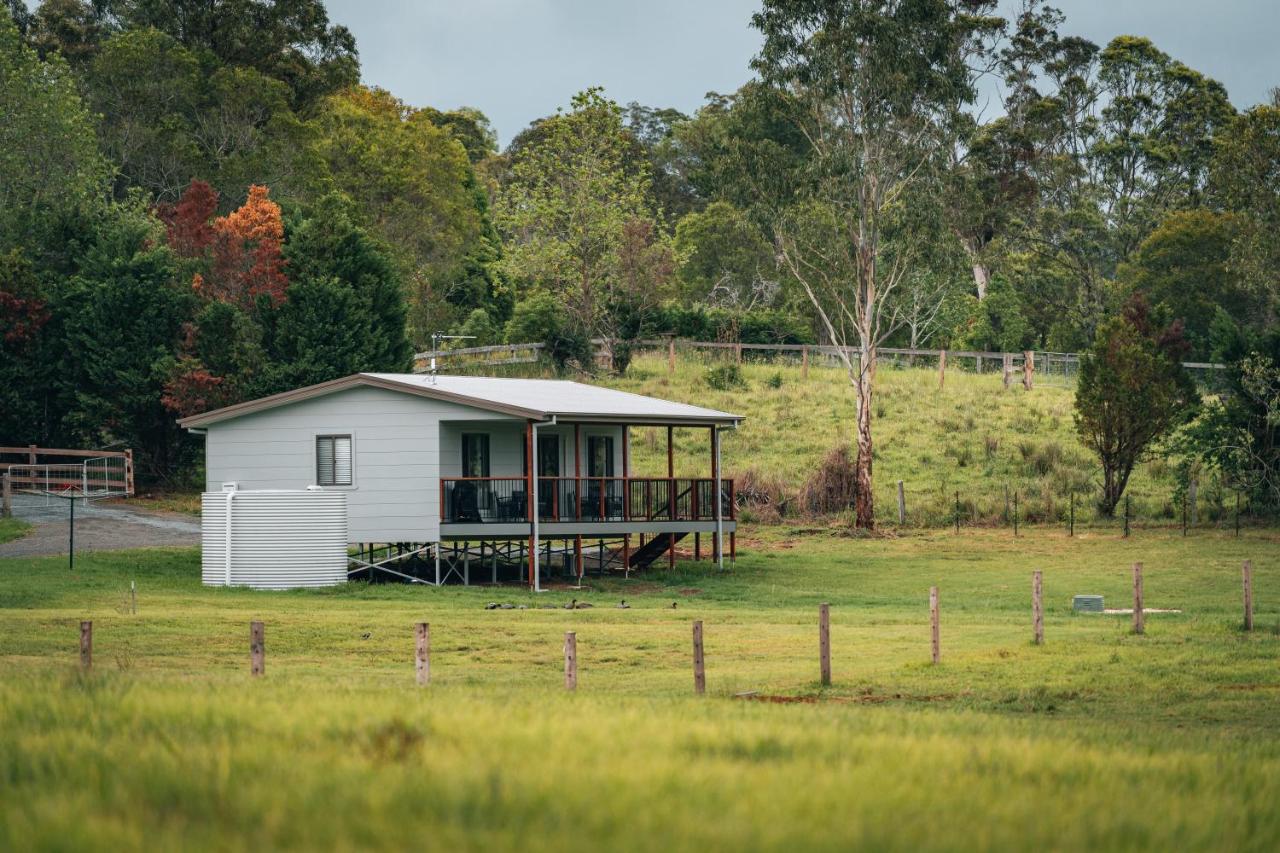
[[518, 60]]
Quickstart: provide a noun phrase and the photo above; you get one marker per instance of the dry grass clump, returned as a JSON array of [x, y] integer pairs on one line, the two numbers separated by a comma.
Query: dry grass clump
[[762, 499], [832, 487]]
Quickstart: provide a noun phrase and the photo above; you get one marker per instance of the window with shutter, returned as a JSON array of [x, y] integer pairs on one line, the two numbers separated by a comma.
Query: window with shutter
[[333, 460]]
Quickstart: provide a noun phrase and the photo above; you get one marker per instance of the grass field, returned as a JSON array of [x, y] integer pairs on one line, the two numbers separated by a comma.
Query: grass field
[[1098, 739], [973, 436], [12, 528]]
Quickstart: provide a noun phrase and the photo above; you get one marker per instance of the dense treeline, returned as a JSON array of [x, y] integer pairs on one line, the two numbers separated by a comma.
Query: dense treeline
[[200, 203]]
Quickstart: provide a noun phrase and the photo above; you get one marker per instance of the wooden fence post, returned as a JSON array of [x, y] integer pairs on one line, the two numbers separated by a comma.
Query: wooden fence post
[[570, 660], [86, 645], [737, 353], [1247, 571], [422, 654], [1028, 368], [824, 642], [902, 503], [671, 355], [1138, 625], [804, 362], [942, 368], [1037, 606], [699, 673], [933, 619], [257, 649], [6, 496], [1008, 369]]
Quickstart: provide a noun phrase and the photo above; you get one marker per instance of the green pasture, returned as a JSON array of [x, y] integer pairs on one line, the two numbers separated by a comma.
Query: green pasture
[[1098, 739], [970, 436]]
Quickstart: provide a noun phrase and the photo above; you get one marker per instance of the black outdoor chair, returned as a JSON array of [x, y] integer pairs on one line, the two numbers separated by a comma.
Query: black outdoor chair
[[512, 508], [466, 502], [592, 504]]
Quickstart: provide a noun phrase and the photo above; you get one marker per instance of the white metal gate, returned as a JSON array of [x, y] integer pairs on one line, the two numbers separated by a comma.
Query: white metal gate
[[92, 479]]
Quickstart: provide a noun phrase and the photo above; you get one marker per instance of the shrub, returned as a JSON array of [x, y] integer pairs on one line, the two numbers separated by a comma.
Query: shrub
[[764, 496], [541, 318], [1046, 458], [699, 323], [832, 487], [774, 380], [725, 377], [481, 328]]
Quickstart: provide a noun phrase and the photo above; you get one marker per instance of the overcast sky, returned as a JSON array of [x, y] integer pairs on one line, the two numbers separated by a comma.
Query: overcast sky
[[517, 60]]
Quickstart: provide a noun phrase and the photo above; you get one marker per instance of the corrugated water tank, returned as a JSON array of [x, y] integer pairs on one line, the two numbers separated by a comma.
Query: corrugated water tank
[[274, 538], [1087, 603]]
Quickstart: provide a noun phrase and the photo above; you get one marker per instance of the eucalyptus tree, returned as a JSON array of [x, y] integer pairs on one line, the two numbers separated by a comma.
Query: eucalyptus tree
[[1108, 142], [872, 84], [578, 220], [1245, 179]]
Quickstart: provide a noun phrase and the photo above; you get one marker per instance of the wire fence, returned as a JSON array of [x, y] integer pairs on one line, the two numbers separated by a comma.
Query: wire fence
[[1199, 506]]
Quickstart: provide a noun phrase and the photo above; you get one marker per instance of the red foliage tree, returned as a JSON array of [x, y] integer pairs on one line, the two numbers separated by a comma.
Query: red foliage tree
[[244, 249], [22, 311], [21, 318], [191, 389], [240, 257], [189, 231]]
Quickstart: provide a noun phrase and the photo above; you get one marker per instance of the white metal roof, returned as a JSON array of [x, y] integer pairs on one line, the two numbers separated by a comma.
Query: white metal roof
[[540, 399], [559, 397]]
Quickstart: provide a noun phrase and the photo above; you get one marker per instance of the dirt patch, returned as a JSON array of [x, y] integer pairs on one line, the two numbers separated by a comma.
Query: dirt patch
[[106, 529]]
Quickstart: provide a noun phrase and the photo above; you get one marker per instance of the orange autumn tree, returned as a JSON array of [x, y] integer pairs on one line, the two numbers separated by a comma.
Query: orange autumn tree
[[241, 254], [248, 253], [238, 259]]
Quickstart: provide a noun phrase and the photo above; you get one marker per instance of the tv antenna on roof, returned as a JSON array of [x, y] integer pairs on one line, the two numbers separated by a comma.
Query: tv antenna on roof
[[436, 338]]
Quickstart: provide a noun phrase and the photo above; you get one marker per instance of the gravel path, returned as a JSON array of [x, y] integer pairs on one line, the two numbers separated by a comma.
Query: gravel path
[[98, 528]]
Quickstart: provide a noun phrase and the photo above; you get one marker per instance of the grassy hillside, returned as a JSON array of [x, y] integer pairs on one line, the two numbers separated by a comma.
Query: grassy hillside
[[971, 436], [1099, 739]]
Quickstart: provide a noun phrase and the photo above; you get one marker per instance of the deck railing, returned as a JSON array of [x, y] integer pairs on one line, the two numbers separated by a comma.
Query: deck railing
[[475, 500]]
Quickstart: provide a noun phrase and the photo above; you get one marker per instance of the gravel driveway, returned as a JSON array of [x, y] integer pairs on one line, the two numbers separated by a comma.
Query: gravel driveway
[[98, 528]]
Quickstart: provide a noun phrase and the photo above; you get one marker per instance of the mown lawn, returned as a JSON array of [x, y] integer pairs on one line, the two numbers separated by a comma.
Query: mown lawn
[[1098, 739]]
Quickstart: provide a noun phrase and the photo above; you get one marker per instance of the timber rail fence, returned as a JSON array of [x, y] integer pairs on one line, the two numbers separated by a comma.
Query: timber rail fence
[[1023, 367]]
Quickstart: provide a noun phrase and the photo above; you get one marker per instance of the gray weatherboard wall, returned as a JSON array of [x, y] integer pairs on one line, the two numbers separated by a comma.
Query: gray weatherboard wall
[[395, 493]]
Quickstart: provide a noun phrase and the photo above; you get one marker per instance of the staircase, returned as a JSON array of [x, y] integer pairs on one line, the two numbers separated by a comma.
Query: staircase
[[643, 557]]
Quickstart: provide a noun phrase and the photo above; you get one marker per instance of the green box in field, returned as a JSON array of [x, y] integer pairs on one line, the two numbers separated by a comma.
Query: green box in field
[[1087, 604]]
